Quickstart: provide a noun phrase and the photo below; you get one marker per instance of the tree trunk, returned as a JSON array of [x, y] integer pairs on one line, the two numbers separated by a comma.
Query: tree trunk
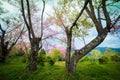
[[32, 66], [4, 53], [33, 57], [72, 66], [69, 37], [2, 59], [82, 52]]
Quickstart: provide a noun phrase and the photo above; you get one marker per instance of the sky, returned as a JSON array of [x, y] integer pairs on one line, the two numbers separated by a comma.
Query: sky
[[111, 40]]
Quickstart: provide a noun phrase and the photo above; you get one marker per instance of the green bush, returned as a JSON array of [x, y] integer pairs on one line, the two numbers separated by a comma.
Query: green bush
[[61, 58], [41, 57], [56, 55], [95, 55], [85, 58], [115, 58], [103, 60], [24, 59], [20, 52], [50, 61]]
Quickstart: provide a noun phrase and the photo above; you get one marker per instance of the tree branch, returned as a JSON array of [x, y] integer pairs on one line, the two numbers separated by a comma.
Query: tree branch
[[91, 14], [106, 14], [95, 42], [74, 23], [25, 20], [42, 17], [1, 29], [99, 16], [16, 40], [29, 19], [113, 24]]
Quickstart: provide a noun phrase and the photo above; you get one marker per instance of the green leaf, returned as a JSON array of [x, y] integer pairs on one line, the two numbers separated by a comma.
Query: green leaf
[[7, 21]]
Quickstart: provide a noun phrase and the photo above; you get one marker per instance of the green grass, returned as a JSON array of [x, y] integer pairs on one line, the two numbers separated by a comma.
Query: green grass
[[13, 70]]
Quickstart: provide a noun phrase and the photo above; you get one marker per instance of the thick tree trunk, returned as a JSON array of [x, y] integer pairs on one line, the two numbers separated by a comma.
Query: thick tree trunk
[[2, 59], [69, 37], [82, 52], [4, 54], [32, 66], [33, 57], [72, 66]]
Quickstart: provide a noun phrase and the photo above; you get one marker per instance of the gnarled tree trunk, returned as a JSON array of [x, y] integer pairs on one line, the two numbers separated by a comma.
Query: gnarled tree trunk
[[82, 52], [32, 66], [4, 54], [69, 37]]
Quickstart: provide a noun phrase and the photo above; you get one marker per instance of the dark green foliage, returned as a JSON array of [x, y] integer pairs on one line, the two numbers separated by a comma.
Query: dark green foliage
[[41, 57], [43, 51], [115, 58], [40, 60], [61, 58], [103, 60], [85, 58], [56, 55], [50, 61], [20, 52], [24, 59]]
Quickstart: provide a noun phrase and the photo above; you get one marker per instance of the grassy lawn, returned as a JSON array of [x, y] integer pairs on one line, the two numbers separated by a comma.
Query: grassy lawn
[[13, 70]]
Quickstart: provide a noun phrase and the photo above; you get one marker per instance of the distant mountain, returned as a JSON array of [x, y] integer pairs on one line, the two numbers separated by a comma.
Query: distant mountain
[[103, 49]]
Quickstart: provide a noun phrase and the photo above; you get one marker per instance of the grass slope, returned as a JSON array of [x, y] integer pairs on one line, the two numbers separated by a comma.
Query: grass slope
[[13, 70]]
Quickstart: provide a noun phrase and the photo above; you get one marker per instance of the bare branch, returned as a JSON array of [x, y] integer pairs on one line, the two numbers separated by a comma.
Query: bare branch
[[92, 15], [113, 24], [1, 28], [16, 39], [99, 16], [29, 25], [23, 14], [42, 17], [107, 17], [29, 18]]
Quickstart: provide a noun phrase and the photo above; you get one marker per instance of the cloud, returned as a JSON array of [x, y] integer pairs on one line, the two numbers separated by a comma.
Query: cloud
[[111, 41]]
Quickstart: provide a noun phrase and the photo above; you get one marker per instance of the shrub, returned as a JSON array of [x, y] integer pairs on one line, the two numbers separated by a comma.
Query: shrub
[[94, 56], [115, 58], [24, 60], [85, 58], [20, 52], [61, 58], [41, 57], [56, 55], [50, 61], [103, 60]]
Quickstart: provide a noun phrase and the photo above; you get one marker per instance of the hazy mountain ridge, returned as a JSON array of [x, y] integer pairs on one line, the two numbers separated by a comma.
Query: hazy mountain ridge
[[103, 49]]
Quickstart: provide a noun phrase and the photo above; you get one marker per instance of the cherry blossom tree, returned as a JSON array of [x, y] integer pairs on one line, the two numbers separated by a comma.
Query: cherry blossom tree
[[38, 29], [72, 21], [10, 32]]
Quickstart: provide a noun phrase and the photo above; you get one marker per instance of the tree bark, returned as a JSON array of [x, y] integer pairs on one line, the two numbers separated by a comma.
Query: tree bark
[[82, 52], [73, 63], [3, 56], [69, 37], [32, 66], [4, 52]]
